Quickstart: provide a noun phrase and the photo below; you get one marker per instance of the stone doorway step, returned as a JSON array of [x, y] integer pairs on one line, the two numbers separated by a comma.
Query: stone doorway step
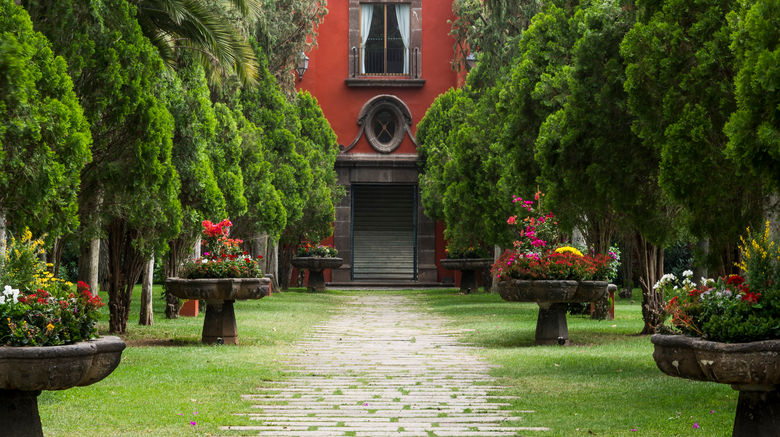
[[383, 367]]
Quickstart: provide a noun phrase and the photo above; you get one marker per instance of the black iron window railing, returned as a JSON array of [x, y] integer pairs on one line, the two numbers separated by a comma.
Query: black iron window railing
[[384, 62]]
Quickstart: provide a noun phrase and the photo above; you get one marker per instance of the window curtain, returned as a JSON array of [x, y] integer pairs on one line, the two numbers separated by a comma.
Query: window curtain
[[402, 15], [366, 15]]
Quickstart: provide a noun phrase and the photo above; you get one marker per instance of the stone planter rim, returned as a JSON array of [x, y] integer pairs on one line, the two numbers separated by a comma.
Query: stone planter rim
[[105, 343], [531, 290], [32, 368], [317, 262], [216, 289], [465, 263], [216, 280], [698, 343], [751, 364]]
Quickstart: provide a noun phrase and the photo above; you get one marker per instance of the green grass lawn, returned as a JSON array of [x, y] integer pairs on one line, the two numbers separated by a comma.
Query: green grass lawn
[[168, 379], [606, 383]]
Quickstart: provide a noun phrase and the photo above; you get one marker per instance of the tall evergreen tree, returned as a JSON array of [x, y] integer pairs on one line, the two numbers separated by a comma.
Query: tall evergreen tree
[[754, 127], [44, 137], [129, 192], [680, 84]]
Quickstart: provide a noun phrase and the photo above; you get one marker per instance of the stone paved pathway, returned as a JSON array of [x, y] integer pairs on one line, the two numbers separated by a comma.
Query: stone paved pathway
[[383, 367]]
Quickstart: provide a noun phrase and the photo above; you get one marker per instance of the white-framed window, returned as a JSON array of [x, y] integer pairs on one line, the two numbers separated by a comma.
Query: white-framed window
[[385, 43], [385, 38]]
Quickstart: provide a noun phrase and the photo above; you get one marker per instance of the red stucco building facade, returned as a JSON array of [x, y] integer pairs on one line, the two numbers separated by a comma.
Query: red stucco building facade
[[377, 68]]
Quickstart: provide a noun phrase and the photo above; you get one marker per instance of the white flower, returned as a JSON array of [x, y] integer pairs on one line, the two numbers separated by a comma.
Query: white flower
[[9, 292], [204, 261], [2, 299], [687, 273]]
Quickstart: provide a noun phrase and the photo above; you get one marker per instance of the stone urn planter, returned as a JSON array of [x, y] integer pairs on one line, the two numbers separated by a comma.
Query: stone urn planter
[[752, 368], [26, 370], [315, 265], [219, 325], [552, 297], [468, 270]]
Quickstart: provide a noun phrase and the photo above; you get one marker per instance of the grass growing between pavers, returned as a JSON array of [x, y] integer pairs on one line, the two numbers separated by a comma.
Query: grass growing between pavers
[[169, 384], [606, 383]]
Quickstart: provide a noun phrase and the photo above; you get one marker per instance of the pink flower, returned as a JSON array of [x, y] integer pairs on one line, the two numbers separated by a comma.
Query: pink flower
[[511, 220]]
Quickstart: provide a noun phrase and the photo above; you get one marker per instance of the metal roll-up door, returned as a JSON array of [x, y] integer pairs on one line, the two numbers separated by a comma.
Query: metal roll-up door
[[384, 233]]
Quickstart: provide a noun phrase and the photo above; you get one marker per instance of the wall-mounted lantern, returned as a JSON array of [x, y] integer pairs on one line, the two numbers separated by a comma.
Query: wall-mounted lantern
[[302, 66], [471, 61]]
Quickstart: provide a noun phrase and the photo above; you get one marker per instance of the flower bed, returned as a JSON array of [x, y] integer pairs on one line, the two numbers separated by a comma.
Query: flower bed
[[732, 308], [729, 332], [222, 256], [539, 254], [223, 274], [541, 269], [307, 249], [46, 335], [38, 309]]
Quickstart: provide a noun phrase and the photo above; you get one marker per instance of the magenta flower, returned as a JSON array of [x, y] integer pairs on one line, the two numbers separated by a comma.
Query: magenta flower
[[193, 423], [695, 425]]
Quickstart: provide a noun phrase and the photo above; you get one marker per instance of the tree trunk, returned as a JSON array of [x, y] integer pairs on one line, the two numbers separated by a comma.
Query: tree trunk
[[56, 255], [259, 246], [94, 269], [89, 264], [171, 269], [627, 249], [125, 266], [285, 266], [651, 261], [3, 226], [147, 296], [700, 269], [271, 262], [196, 248]]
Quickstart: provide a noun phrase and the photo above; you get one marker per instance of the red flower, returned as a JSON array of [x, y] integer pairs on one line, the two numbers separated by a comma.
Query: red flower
[[734, 280], [751, 297]]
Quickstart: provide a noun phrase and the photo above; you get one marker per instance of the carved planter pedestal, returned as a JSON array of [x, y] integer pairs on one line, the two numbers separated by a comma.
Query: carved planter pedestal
[[752, 368], [552, 297], [468, 270], [219, 325], [315, 265], [26, 370]]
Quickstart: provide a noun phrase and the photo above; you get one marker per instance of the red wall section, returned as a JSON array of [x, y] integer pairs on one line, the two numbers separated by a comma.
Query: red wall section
[[329, 67]]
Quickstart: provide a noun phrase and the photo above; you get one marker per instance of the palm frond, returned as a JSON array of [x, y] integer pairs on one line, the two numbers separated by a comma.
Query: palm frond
[[198, 27]]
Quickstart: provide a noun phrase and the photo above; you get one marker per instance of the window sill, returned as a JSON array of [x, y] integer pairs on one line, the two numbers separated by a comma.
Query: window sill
[[384, 82]]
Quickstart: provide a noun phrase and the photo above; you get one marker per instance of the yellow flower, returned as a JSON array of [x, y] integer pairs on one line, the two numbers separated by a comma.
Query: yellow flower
[[49, 327], [570, 249]]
